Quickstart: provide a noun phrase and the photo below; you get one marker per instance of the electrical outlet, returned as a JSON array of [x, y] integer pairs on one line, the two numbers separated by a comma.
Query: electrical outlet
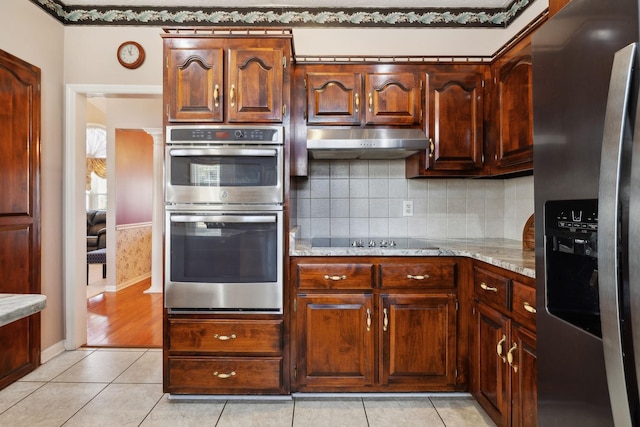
[[407, 208]]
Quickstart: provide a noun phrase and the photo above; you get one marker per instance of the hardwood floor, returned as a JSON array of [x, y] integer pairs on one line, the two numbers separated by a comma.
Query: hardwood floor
[[127, 318]]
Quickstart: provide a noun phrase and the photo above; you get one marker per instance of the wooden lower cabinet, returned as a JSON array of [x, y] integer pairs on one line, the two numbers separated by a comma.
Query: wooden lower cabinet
[[335, 341], [503, 347], [418, 340], [213, 355], [370, 324]]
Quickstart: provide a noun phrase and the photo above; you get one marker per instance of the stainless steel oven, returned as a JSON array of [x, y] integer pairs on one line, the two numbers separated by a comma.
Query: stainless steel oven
[[224, 259], [224, 164]]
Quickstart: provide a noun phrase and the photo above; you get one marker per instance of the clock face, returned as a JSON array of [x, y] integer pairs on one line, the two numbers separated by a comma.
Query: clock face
[[130, 54]]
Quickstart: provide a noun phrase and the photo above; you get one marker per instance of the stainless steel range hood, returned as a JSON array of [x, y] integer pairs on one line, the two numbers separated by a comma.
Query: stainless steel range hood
[[364, 143]]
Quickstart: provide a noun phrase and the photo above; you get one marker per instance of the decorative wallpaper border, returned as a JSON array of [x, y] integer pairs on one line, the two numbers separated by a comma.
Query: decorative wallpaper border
[[290, 17]]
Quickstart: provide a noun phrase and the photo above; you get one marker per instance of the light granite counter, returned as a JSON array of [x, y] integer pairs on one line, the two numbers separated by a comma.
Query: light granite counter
[[16, 306], [504, 253]]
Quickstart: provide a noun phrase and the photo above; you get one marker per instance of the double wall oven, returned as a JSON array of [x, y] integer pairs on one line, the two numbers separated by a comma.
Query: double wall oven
[[224, 225]]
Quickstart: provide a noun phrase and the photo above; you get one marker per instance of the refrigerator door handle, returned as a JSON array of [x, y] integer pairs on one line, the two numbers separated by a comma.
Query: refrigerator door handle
[[608, 232], [634, 242]]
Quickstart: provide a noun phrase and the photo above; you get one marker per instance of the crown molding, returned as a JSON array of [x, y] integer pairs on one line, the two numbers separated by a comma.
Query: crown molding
[[290, 17]]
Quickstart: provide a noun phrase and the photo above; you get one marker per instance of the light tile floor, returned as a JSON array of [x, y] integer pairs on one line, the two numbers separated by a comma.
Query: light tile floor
[[123, 387]]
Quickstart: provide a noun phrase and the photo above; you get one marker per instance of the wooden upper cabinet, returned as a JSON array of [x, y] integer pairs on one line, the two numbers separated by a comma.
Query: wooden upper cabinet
[[392, 99], [361, 98], [218, 80], [513, 110], [556, 5], [193, 81], [334, 98], [255, 85], [455, 120]]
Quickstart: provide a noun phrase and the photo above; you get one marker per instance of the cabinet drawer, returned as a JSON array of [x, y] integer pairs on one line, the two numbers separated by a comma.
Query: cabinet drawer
[[524, 305], [335, 276], [418, 275], [225, 336], [491, 289], [190, 374]]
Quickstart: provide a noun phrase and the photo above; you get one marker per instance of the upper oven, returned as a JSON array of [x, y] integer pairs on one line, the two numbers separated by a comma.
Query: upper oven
[[224, 164]]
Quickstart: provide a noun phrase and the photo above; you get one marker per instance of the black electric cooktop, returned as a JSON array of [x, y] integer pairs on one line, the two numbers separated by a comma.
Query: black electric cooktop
[[371, 243]]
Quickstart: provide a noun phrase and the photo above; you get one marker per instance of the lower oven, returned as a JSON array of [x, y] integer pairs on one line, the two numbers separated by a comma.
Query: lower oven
[[224, 260]]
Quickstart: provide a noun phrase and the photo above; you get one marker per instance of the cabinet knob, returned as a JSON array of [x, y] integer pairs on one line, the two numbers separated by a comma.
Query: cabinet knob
[[510, 357], [225, 337], [499, 348], [529, 307], [224, 376], [216, 96], [418, 277], [487, 288]]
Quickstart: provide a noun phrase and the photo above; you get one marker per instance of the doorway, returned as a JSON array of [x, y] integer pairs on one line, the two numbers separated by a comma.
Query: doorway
[[74, 272]]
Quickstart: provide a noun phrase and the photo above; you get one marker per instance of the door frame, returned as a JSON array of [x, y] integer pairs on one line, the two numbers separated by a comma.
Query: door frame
[[74, 213]]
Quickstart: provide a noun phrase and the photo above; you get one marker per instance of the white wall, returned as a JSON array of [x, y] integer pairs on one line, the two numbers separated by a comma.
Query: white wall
[[37, 38]]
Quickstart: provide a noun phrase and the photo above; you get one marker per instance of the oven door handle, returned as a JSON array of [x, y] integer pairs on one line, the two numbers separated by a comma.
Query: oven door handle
[[224, 152], [225, 218]]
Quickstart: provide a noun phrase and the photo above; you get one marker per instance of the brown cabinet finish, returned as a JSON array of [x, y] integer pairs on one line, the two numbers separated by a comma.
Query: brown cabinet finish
[[334, 98], [210, 354], [20, 268], [392, 99], [193, 81], [334, 341], [378, 330], [513, 111], [217, 80], [503, 348], [418, 336], [455, 123]]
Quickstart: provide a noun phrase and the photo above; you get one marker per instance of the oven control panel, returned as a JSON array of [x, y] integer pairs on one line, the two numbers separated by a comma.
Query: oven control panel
[[224, 134]]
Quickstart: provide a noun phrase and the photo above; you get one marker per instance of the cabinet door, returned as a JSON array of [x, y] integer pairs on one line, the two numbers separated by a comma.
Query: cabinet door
[[455, 121], [514, 109], [524, 386], [193, 81], [418, 336], [392, 99], [254, 92], [335, 341], [334, 98], [490, 376]]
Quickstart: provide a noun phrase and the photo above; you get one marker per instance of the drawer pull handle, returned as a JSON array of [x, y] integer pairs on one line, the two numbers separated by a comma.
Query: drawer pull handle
[[368, 320], [529, 308], [357, 102], [510, 357], [335, 278], [488, 288], [499, 348], [418, 277], [432, 148], [225, 337], [385, 320], [224, 376], [370, 102]]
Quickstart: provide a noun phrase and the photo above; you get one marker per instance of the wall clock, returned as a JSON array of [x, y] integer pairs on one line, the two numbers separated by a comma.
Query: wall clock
[[130, 54]]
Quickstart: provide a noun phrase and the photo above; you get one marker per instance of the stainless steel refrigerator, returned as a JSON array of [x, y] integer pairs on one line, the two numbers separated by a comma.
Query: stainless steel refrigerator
[[587, 185]]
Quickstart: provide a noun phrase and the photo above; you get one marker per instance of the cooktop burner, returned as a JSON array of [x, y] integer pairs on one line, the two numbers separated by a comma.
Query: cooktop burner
[[371, 243]]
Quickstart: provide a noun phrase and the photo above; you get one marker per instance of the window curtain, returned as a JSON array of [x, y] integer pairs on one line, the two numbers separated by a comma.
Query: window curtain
[[96, 153]]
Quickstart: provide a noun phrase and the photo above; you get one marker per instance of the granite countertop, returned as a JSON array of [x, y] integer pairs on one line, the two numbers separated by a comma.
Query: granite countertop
[[504, 253], [16, 306]]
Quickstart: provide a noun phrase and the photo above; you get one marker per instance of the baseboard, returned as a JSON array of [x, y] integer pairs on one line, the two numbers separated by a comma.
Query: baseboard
[[51, 352], [128, 283]]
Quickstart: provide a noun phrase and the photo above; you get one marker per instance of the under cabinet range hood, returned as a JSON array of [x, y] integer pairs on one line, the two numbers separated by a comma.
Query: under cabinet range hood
[[364, 143]]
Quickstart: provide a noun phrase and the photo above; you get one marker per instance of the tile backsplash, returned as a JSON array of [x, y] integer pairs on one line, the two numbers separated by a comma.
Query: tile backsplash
[[361, 198]]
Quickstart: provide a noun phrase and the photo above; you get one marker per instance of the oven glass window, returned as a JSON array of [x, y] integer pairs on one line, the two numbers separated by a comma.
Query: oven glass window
[[224, 171], [224, 252]]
